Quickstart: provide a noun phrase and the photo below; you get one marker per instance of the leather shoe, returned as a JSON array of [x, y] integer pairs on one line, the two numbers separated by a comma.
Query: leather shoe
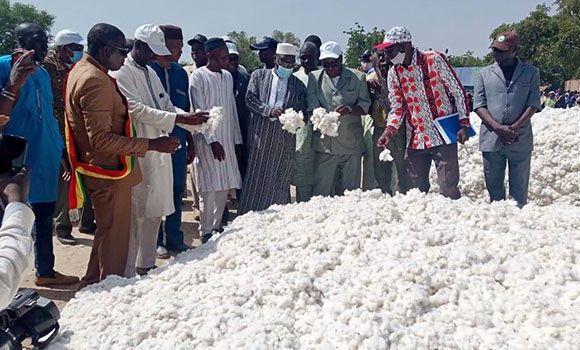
[[57, 280]]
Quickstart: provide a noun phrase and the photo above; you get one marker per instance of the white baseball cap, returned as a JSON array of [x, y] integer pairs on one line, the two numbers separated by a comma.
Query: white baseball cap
[[330, 49], [286, 49], [67, 36], [154, 38], [232, 49]]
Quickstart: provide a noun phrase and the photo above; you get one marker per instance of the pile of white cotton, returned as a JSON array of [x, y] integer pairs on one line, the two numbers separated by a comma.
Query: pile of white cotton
[[364, 271], [292, 120], [326, 122]]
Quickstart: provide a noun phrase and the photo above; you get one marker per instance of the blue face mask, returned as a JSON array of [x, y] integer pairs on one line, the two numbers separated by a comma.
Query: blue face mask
[[284, 72], [77, 55]]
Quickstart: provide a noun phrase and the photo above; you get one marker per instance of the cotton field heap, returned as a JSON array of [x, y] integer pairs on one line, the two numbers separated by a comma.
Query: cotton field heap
[[362, 271]]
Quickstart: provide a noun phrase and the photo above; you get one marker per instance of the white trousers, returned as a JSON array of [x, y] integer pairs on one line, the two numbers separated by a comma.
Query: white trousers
[[142, 243], [211, 208]]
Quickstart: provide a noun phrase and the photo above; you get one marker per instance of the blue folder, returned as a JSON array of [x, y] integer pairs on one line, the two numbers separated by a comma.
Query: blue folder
[[448, 126]]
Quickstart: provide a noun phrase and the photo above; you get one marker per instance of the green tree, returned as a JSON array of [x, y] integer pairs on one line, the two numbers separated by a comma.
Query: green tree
[[13, 14], [286, 37], [469, 60], [360, 40], [248, 58]]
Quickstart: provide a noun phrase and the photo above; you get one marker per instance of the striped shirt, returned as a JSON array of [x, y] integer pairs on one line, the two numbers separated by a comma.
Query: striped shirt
[[209, 89]]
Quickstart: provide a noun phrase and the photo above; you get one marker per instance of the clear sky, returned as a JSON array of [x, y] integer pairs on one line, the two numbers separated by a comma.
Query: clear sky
[[457, 25]]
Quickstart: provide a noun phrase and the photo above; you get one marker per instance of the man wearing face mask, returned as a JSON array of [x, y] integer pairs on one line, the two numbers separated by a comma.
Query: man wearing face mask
[[337, 160], [68, 51], [422, 88], [270, 93], [507, 94]]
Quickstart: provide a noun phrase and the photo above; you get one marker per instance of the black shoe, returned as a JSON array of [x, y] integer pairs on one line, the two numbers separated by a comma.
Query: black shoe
[[66, 239], [205, 238], [180, 248], [90, 230], [142, 271]]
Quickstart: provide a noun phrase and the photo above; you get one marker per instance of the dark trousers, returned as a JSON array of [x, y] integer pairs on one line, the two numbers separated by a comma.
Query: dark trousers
[[446, 163], [494, 165], [172, 227], [62, 218], [42, 233]]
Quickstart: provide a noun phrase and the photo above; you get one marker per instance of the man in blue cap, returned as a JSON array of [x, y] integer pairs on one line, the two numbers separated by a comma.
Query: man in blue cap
[[266, 51]]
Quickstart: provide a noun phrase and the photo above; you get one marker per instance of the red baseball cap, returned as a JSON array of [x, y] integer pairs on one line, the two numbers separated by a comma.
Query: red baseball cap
[[506, 41]]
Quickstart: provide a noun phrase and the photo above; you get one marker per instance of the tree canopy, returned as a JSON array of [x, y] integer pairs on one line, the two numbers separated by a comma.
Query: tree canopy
[[360, 40], [13, 14]]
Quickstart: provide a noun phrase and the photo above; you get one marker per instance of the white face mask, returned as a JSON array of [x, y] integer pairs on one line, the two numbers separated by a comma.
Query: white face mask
[[399, 59]]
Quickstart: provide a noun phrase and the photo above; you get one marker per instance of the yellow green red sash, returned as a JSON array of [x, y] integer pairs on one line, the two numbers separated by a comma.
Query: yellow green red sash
[[77, 193]]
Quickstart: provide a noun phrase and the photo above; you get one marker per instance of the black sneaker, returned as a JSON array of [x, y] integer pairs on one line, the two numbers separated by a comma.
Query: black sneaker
[[142, 271], [66, 239], [179, 248], [205, 238]]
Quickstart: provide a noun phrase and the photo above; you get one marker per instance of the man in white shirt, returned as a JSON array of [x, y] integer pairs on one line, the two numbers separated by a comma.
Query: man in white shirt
[[15, 235], [215, 165], [153, 115]]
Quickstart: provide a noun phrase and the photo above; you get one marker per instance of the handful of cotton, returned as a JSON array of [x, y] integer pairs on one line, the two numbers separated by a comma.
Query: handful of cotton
[[292, 120], [326, 122], [215, 117], [386, 156]]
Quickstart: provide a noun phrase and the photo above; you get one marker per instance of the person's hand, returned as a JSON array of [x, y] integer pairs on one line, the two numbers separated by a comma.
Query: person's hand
[[4, 119], [16, 188], [462, 135], [196, 118], [66, 169], [190, 153], [507, 133], [218, 151], [22, 67], [164, 144], [277, 112], [344, 110], [384, 139]]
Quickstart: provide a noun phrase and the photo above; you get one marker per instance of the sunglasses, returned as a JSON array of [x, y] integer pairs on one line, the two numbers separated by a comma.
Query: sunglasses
[[122, 50]]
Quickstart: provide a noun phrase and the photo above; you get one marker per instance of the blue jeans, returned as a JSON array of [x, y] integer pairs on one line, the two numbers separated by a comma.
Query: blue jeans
[[494, 164], [42, 233], [172, 226]]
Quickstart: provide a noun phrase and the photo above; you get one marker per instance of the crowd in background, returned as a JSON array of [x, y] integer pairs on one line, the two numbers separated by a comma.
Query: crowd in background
[[112, 126]]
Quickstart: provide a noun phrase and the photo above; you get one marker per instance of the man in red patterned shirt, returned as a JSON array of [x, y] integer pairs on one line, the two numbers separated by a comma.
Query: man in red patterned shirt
[[423, 88]]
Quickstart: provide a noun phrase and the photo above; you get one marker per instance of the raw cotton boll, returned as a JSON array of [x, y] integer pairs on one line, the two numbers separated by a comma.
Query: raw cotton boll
[[326, 122], [292, 120], [210, 126], [386, 156]]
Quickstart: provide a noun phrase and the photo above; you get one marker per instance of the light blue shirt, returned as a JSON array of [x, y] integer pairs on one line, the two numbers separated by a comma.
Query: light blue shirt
[[32, 118]]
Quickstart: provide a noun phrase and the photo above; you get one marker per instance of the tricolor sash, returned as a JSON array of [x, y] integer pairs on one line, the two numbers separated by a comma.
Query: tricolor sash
[[77, 193]]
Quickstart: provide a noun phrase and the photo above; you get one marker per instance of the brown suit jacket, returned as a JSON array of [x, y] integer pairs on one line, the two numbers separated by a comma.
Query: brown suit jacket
[[97, 114]]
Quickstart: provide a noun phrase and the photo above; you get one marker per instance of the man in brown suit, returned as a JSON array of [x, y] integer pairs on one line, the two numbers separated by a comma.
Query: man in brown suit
[[97, 113]]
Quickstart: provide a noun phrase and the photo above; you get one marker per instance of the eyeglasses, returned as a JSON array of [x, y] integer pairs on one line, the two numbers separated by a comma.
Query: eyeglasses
[[122, 50]]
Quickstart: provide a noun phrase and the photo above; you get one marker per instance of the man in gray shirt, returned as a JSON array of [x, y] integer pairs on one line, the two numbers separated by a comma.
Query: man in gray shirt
[[507, 94]]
